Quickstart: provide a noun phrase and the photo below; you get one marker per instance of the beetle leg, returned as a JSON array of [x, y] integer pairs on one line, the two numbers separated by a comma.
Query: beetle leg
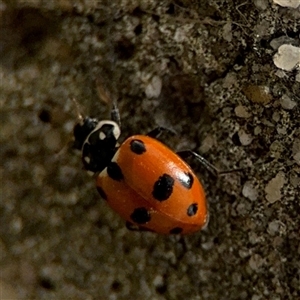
[[156, 132], [134, 227], [205, 163]]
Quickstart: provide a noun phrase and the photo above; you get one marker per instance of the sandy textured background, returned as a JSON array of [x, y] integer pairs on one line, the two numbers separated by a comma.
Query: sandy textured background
[[205, 70]]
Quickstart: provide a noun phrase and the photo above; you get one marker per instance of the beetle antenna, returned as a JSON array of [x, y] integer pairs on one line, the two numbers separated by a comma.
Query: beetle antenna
[[115, 113], [109, 100], [206, 164], [77, 107]]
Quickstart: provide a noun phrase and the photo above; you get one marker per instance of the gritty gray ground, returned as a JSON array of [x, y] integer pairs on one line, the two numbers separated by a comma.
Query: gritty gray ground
[[205, 70]]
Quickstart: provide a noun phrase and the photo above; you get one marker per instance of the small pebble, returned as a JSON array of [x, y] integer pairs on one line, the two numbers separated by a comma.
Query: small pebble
[[158, 280], [274, 186], [180, 34], [296, 146], [207, 144], [230, 80], [276, 148], [276, 116], [153, 89], [208, 245], [258, 93], [257, 130], [287, 57], [227, 32], [255, 262], [295, 179], [288, 3], [281, 130], [273, 227], [296, 157], [241, 112], [261, 4], [287, 103], [245, 138], [296, 151], [249, 191], [277, 42]]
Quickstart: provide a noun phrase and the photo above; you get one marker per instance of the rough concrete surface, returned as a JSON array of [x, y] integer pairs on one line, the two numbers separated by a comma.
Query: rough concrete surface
[[205, 69]]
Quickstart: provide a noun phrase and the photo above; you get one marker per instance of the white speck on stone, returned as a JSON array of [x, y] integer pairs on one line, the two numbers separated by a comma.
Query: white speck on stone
[[288, 3], [287, 57], [245, 138], [241, 112], [153, 89], [274, 186], [249, 191], [87, 159], [287, 103]]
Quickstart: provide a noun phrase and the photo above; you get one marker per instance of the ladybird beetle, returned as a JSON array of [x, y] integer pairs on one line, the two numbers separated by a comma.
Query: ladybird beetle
[[144, 181]]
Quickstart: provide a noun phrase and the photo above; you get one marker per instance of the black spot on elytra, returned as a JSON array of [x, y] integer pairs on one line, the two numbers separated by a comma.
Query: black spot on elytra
[[140, 215], [187, 180], [137, 146], [176, 230], [163, 187], [101, 193], [192, 209], [114, 171]]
